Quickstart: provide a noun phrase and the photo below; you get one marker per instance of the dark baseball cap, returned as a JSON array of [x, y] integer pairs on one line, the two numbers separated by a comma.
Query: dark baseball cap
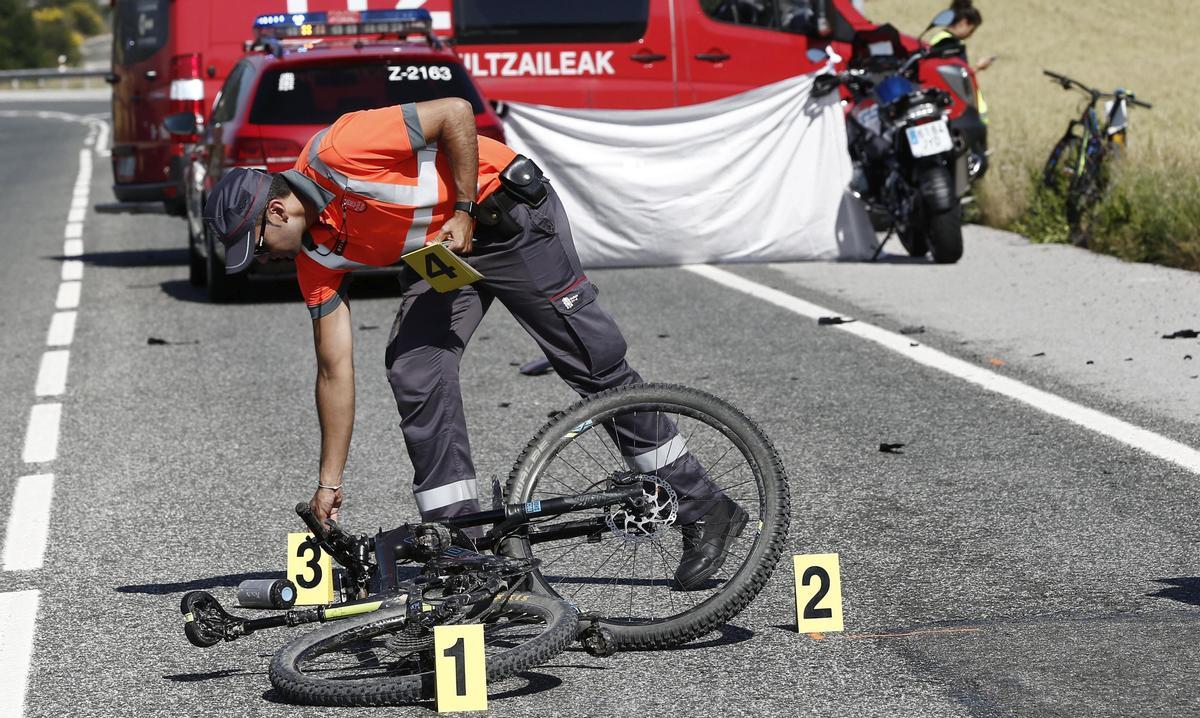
[[232, 213]]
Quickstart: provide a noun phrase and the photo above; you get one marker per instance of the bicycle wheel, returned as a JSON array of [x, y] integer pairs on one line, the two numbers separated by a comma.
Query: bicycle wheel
[[380, 659], [1060, 165], [1086, 186], [626, 575]]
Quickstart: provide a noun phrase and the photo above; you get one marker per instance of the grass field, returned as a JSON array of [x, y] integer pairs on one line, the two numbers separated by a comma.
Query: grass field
[[1153, 213]]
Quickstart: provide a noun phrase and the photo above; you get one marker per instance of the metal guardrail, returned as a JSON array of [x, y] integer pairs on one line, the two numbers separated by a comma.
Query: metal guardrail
[[40, 77]]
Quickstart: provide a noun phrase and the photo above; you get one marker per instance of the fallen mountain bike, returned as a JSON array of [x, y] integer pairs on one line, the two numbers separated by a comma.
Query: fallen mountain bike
[[587, 541]]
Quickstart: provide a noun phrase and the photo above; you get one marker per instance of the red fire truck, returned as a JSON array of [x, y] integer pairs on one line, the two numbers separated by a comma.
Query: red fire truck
[[632, 54], [172, 56]]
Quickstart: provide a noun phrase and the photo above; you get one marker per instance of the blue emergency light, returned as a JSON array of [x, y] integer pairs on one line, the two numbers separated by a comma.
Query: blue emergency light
[[303, 25]]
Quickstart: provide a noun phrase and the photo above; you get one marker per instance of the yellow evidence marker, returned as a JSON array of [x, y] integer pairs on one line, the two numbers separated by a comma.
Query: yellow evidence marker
[[310, 569], [444, 270], [818, 593], [460, 668]]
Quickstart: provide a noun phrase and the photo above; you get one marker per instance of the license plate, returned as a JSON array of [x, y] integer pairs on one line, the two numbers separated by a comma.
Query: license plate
[[931, 138]]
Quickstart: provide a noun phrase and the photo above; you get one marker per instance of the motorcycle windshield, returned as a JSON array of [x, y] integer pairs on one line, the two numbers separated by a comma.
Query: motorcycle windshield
[[892, 88]]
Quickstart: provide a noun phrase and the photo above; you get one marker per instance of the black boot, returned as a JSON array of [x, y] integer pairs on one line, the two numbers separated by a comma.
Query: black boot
[[705, 543]]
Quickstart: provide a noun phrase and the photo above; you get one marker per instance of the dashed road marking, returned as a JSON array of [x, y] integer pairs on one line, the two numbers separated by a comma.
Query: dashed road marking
[[52, 375], [1099, 422], [62, 330], [18, 614], [72, 270], [41, 436], [68, 295], [29, 512], [28, 523]]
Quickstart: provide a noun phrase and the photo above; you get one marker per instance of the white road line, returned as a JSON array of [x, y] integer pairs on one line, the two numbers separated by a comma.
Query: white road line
[[18, 613], [62, 330], [41, 438], [72, 270], [28, 523], [73, 247], [52, 375], [74, 230], [68, 295], [102, 148], [1124, 432], [76, 215]]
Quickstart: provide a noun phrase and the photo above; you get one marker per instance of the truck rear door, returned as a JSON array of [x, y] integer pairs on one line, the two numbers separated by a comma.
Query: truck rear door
[[141, 91]]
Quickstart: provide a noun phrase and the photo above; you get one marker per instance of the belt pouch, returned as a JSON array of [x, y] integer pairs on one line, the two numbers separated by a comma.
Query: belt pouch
[[524, 179]]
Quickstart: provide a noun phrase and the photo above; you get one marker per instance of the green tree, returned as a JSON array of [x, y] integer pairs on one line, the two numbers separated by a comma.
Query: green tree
[[20, 46], [56, 37], [84, 18]]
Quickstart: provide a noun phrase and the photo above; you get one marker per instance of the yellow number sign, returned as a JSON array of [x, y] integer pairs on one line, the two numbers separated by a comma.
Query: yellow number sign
[[818, 593], [460, 668], [310, 569], [444, 270]]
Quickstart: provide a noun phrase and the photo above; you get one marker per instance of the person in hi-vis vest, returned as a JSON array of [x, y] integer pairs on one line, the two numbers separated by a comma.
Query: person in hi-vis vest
[[378, 184], [967, 20]]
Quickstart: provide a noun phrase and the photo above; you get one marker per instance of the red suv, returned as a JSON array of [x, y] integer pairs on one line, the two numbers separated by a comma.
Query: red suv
[[303, 72]]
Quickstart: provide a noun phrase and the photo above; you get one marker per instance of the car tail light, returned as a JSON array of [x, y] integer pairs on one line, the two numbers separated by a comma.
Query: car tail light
[[187, 89], [275, 154]]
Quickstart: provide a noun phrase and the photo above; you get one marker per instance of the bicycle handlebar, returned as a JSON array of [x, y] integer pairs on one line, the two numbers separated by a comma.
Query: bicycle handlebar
[[1068, 82], [310, 520]]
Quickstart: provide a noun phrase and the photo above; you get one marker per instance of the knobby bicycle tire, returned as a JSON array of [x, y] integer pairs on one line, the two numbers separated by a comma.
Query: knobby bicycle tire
[[1086, 187], [558, 628], [769, 476], [1061, 162]]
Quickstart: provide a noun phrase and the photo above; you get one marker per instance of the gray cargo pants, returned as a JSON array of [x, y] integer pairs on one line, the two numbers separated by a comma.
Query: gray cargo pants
[[536, 275]]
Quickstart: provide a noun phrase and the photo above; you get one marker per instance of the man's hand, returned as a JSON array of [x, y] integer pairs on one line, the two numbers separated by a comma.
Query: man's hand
[[985, 64], [325, 504], [457, 232]]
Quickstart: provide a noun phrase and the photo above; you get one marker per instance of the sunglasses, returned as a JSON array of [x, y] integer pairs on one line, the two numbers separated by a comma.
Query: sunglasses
[[260, 247]]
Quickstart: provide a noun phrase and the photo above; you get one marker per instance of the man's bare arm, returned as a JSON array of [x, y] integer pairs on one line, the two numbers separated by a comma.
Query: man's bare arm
[[450, 122], [334, 344]]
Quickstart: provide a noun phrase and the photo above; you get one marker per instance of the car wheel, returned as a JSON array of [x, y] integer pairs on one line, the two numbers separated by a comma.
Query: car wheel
[[222, 287], [197, 269]]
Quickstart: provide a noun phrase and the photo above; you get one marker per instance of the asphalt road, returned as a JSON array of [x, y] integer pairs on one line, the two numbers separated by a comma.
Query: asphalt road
[[1008, 562]]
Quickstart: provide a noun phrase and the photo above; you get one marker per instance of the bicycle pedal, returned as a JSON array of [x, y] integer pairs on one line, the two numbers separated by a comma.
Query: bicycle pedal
[[598, 641]]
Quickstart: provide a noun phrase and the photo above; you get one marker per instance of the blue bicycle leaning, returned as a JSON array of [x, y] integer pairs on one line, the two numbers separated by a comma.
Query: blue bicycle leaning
[[1075, 166]]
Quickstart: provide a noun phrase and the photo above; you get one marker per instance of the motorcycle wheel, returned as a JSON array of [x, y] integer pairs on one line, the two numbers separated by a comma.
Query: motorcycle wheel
[[945, 236], [912, 238]]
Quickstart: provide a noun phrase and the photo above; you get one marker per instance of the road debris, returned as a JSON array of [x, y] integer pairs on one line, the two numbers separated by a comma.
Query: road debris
[[830, 321], [1183, 334], [155, 341], [892, 448]]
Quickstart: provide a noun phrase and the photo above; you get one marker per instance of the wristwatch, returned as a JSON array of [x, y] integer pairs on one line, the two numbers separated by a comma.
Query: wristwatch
[[468, 207]]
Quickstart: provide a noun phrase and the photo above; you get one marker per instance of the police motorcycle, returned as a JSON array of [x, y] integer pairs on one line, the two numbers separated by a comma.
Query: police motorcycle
[[909, 168]]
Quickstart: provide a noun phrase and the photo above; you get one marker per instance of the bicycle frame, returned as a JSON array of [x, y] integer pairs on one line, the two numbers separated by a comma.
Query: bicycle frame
[[377, 583]]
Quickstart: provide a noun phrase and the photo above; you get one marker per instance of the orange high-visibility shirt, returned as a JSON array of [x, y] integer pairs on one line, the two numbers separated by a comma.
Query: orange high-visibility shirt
[[391, 192]]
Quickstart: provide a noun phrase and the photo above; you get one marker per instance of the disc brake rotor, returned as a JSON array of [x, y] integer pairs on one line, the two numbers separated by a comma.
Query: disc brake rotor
[[654, 511]]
